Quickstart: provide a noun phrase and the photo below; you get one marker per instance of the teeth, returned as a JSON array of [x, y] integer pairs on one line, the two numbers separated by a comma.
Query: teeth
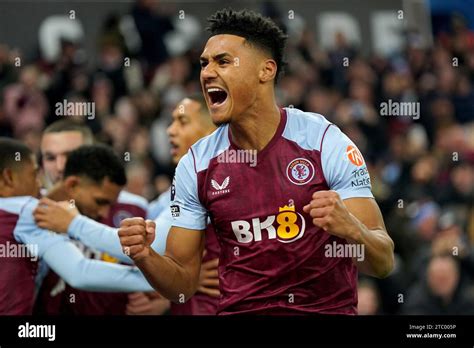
[[209, 90]]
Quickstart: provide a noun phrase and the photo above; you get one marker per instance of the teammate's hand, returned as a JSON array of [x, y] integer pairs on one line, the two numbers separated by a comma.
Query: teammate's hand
[[330, 213], [136, 236], [149, 303], [208, 278], [54, 216]]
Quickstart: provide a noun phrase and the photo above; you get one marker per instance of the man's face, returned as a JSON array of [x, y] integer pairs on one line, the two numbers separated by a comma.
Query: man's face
[[25, 179], [186, 128], [54, 150], [92, 199], [229, 76], [443, 276]]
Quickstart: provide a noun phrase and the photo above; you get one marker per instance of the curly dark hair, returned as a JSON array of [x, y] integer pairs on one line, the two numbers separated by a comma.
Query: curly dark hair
[[255, 29], [96, 162]]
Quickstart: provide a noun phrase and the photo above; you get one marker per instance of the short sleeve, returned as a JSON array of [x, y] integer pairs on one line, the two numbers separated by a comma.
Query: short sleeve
[[27, 232], [186, 209], [343, 166]]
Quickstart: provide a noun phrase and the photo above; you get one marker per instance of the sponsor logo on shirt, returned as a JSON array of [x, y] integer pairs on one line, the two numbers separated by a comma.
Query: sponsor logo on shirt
[[286, 227], [175, 211], [360, 177], [300, 171], [354, 155], [222, 188]]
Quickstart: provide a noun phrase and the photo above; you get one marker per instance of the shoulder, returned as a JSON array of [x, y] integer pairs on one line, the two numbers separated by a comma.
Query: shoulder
[[307, 129], [17, 205], [129, 198], [207, 148]]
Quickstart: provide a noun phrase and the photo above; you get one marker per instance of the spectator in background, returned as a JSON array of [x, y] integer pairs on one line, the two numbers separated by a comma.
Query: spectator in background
[[62, 72], [25, 105], [441, 292], [152, 28], [8, 73], [368, 298], [111, 66]]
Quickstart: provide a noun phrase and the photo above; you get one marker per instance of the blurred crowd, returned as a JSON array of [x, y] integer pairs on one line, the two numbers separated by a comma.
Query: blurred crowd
[[422, 168]]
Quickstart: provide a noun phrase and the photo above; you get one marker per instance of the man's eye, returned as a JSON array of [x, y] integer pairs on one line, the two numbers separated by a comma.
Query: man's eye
[[203, 64], [223, 61]]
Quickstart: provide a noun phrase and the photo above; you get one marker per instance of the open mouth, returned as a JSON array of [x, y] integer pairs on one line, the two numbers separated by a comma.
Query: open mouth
[[217, 96], [174, 148]]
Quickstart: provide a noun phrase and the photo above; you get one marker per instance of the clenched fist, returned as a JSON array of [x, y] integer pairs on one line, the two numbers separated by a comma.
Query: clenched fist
[[329, 213], [136, 236]]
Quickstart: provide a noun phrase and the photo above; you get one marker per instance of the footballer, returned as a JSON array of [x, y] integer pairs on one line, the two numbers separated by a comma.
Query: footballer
[[274, 218]]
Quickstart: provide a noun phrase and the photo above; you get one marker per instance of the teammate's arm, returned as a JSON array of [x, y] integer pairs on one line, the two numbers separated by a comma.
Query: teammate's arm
[[64, 258], [55, 216]]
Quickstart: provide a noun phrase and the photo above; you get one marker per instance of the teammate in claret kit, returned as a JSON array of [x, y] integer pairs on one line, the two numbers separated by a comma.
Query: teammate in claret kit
[[191, 121], [19, 189], [58, 141]]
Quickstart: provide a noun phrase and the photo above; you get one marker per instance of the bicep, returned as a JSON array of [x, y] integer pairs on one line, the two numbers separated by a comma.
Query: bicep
[[367, 211]]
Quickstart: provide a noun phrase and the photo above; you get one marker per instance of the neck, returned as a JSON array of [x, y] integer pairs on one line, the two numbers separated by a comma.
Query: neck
[[58, 193], [254, 129], [7, 191], [5, 194]]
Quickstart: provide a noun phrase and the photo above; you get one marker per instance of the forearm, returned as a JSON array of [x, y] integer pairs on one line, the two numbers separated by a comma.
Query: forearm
[[97, 236], [93, 275], [378, 256], [168, 277]]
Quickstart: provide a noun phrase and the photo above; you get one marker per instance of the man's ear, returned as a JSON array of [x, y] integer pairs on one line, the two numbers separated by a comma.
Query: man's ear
[[7, 177], [71, 182], [268, 70]]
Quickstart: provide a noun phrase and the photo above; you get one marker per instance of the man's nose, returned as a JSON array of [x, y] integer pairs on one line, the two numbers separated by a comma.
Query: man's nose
[[61, 163], [171, 130], [208, 72]]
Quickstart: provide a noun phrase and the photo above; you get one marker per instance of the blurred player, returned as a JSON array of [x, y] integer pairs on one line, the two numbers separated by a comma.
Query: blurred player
[[59, 139], [191, 122], [93, 179], [276, 218], [23, 242]]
